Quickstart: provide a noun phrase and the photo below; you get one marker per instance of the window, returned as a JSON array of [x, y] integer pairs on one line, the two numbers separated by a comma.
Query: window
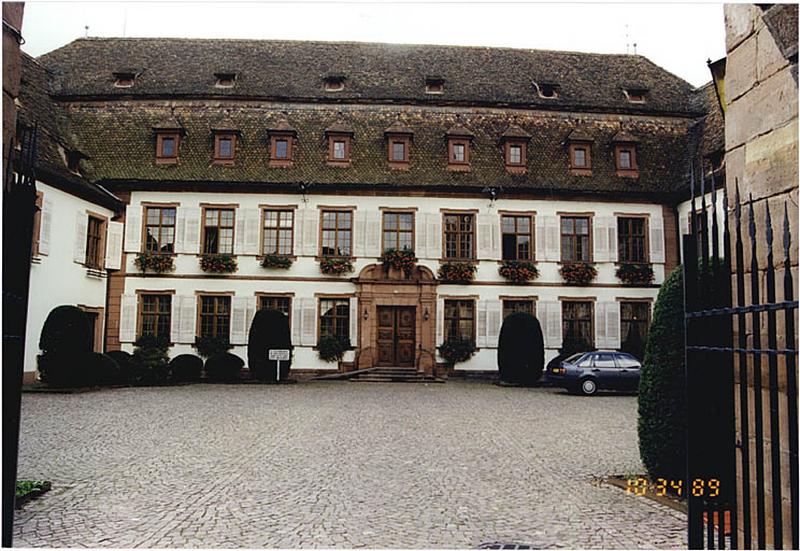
[[514, 154], [580, 156], [160, 230], [634, 326], [218, 231], [512, 306], [334, 319], [434, 86], [631, 232], [339, 152], [94, 242], [334, 83], [626, 160], [337, 232], [604, 361], [280, 303], [339, 149], [225, 80], [547, 90], [281, 149], [576, 321], [398, 151], [278, 232], [224, 148], [517, 237], [167, 148], [459, 320], [73, 161], [215, 316], [636, 95], [124, 79], [155, 315], [398, 231], [37, 224], [459, 236], [575, 239], [458, 152]]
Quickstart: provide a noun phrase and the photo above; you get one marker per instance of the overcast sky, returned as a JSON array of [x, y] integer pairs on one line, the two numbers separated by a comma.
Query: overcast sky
[[679, 37]]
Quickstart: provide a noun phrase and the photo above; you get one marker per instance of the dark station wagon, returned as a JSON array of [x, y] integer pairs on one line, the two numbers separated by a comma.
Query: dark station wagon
[[588, 372]]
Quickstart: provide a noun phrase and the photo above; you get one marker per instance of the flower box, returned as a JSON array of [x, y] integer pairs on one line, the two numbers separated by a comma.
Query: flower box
[[578, 273], [635, 274], [457, 272], [518, 271], [335, 266], [155, 262], [276, 261], [399, 259], [218, 263]]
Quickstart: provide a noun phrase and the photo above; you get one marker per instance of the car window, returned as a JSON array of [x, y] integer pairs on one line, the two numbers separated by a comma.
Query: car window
[[574, 358], [627, 361], [604, 360], [585, 361]]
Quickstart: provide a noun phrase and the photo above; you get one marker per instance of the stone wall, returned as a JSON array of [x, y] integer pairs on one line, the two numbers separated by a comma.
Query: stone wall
[[12, 19], [762, 158]]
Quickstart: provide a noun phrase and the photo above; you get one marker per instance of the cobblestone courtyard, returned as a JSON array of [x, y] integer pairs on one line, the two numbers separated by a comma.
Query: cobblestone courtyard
[[334, 464]]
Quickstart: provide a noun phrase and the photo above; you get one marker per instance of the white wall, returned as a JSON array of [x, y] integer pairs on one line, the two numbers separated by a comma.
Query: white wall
[[56, 279], [684, 221], [305, 274]]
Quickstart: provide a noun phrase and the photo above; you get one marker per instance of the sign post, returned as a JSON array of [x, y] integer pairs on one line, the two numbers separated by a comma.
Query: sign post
[[278, 355]]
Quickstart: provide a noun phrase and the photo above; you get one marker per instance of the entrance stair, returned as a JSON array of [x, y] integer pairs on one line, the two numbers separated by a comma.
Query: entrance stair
[[394, 375]]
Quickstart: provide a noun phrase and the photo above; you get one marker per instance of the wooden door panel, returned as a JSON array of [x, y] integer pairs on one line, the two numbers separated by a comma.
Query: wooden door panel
[[396, 336]]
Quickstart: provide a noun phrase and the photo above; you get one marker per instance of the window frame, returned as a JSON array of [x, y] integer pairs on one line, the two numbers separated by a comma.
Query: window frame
[[97, 263], [523, 145], [531, 235], [403, 163], [218, 137], [509, 299], [335, 298], [322, 211], [216, 296], [204, 209], [590, 240], [140, 294], [260, 297], [161, 158], [581, 170], [458, 319], [633, 170], [589, 319], [145, 225], [648, 303], [37, 224], [472, 215], [334, 137], [645, 238], [413, 231], [262, 240], [281, 162], [451, 143]]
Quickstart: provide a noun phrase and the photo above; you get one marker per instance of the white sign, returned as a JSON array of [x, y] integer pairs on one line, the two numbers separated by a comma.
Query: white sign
[[279, 355]]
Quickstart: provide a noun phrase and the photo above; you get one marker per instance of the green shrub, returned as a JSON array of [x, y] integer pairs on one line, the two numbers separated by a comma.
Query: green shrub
[[269, 331], [150, 360], [102, 370], [125, 362], [662, 392], [65, 340], [186, 368], [224, 367], [457, 350], [208, 346], [520, 351], [330, 349]]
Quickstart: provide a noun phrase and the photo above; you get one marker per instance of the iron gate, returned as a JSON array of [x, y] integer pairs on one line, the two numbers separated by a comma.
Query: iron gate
[[724, 377]]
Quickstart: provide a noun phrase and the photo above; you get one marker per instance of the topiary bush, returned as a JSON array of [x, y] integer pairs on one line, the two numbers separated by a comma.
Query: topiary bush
[[457, 350], [662, 392], [224, 367], [268, 331], [65, 341], [330, 349], [186, 368], [125, 363], [208, 346], [520, 351], [150, 360], [102, 370]]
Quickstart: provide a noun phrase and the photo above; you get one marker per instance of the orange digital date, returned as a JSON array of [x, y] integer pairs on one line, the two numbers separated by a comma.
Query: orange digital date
[[699, 487]]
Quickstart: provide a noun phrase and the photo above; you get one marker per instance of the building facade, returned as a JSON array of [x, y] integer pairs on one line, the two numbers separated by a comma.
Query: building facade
[[282, 176]]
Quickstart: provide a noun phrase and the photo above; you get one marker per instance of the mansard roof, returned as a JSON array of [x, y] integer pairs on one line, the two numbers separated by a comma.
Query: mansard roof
[[293, 70]]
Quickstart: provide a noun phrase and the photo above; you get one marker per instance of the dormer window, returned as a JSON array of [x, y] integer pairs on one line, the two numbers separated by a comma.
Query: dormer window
[[225, 80], [282, 140], [434, 85], [626, 160], [636, 95], [398, 141], [334, 83], [124, 79], [459, 139], [339, 136], [224, 148], [73, 161], [167, 147], [547, 90], [514, 143], [580, 158]]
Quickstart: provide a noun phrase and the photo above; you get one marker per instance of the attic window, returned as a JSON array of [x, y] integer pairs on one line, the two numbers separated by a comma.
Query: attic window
[[73, 159], [636, 95], [434, 86], [225, 80], [334, 83], [547, 90], [124, 79]]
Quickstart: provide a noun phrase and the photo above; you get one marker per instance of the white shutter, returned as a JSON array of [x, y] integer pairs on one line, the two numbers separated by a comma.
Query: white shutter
[[482, 328], [485, 236], [421, 237], [683, 222], [309, 334], [252, 307], [439, 321], [552, 245], [180, 228], [188, 322], [601, 243], [372, 247], [656, 239], [238, 334], [133, 229], [252, 222], [297, 321], [359, 234], [613, 243], [551, 317], [175, 319], [79, 251], [612, 325], [354, 321], [191, 235], [541, 246], [434, 230], [494, 321], [127, 318], [600, 332], [310, 232], [238, 237], [45, 225], [114, 245]]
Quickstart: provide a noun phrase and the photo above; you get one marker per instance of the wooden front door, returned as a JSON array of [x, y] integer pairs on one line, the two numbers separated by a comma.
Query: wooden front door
[[397, 330]]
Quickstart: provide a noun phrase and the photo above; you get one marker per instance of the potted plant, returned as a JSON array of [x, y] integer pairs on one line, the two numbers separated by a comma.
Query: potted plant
[[276, 261], [457, 272], [218, 263], [635, 274], [578, 273], [399, 259], [457, 350], [335, 266], [156, 262], [518, 271], [330, 349]]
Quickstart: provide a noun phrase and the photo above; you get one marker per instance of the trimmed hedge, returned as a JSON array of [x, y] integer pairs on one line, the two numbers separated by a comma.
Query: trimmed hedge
[[186, 368], [125, 362], [150, 360], [520, 351], [269, 331], [224, 367], [330, 349], [662, 392], [102, 370], [209, 346], [65, 341]]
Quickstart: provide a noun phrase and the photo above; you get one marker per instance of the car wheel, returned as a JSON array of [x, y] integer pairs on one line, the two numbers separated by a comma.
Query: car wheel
[[588, 387]]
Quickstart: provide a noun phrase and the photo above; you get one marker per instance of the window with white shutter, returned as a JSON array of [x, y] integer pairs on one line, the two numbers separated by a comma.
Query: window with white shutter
[[494, 321], [191, 235], [133, 229], [309, 317], [114, 245], [310, 236], [188, 328], [252, 221], [372, 247], [238, 329], [550, 317], [656, 239], [127, 318], [434, 230], [45, 225], [81, 228]]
